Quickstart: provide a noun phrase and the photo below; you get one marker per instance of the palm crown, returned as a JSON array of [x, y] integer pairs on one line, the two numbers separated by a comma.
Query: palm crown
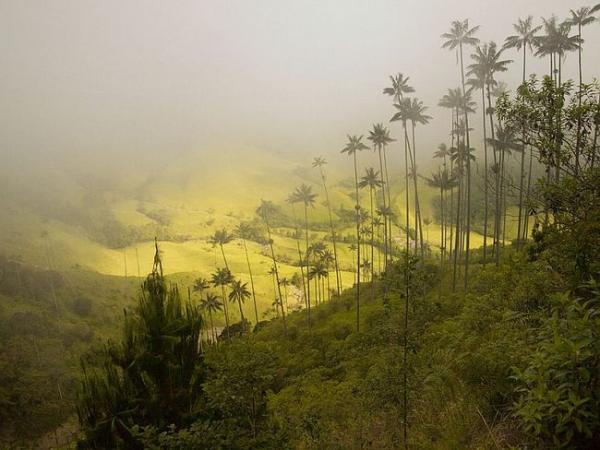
[[354, 145], [399, 87]]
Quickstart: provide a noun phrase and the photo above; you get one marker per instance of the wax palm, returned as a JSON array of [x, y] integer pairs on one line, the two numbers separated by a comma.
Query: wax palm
[[380, 137], [245, 231], [212, 305], [319, 162], [304, 194], [524, 39], [265, 210], [371, 181], [220, 238], [402, 114], [285, 283], [504, 142], [555, 43], [459, 36], [221, 278], [399, 87], [417, 115], [239, 293], [201, 285], [353, 146], [580, 18]]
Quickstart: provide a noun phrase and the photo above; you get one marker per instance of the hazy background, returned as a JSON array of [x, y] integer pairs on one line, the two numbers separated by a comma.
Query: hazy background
[[103, 85]]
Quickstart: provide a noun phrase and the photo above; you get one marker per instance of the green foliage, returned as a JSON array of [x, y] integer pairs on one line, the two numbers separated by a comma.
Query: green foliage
[[151, 377], [559, 386]]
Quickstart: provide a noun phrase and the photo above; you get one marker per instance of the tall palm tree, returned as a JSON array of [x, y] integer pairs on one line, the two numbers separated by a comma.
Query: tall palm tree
[[304, 194], [580, 18], [221, 278], [380, 137], [327, 258], [285, 283], [239, 293], [220, 238], [487, 62], [459, 36], [504, 142], [524, 39], [291, 199], [555, 43], [443, 180], [479, 81], [211, 304], [403, 115], [245, 231], [371, 181], [265, 210], [399, 87], [460, 156], [417, 116], [201, 285], [353, 146], [319, 162]]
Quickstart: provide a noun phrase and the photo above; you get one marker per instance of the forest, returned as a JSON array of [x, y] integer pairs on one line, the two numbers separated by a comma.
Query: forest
[[386, 295]]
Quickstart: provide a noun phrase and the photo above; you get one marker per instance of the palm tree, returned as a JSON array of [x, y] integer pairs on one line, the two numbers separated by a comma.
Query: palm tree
[[291, 199], [201, 285], [211, 304], [580, 18], [220, 238], [239, 293], [524, 39], [245, 231], [403, 115], [555, 43], [380, 137], [504, 142], [221, 278], [353, 146], [319, 162], [371, 180], [285, 283], [460, 156], [443, 180], [264, 211], [417, 116], [304, 194], [399, 87], [327, 258], [486, 64], [460, 35]]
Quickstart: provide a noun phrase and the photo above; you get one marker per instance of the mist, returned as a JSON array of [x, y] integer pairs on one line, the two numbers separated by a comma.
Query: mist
[[106, 85]]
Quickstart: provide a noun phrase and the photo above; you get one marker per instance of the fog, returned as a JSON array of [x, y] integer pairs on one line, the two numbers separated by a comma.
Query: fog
[[101, 85]]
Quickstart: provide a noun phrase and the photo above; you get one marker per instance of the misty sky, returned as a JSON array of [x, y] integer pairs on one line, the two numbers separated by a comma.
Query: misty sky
[[149, 79]]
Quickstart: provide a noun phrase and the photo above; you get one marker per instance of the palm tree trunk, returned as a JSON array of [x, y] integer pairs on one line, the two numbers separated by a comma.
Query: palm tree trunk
[[520, 230], [357, 246], [333, 241], [212, 326], [485, 177], [407, 190], [384, 205], [457, 237], [276, 271], [307, 263], [372, 248], [226, 310], [413, 159], [442, 237], [389, 205], [251, 280], [468, 209]]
